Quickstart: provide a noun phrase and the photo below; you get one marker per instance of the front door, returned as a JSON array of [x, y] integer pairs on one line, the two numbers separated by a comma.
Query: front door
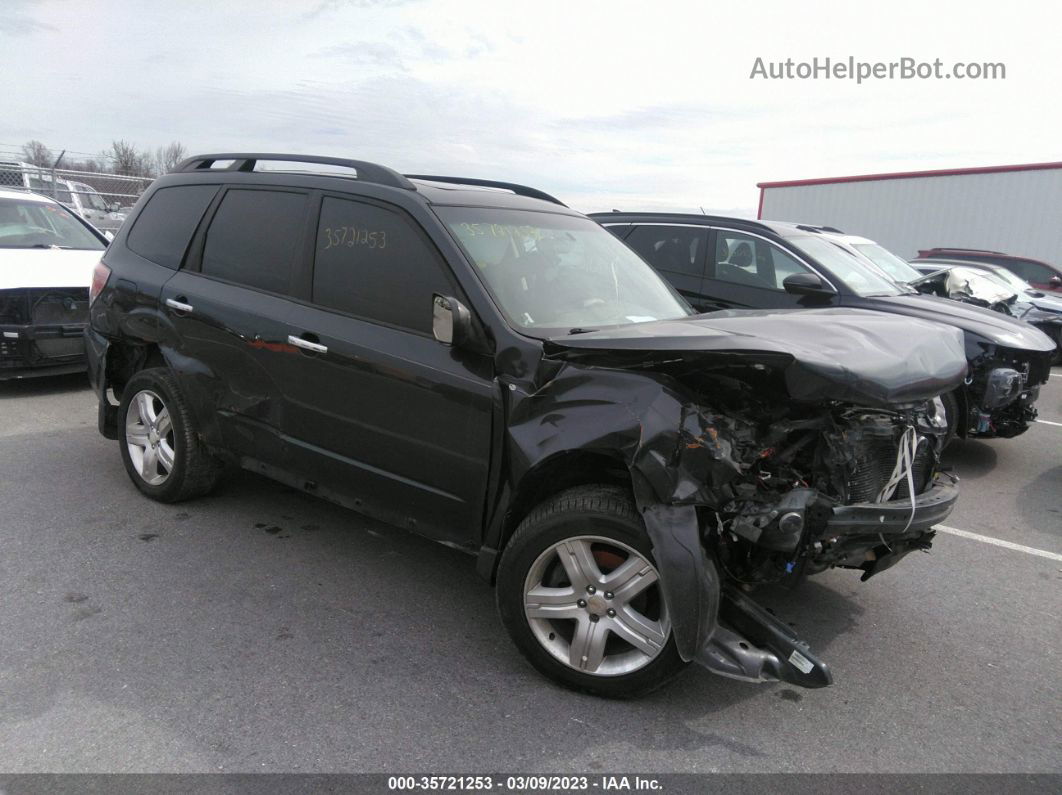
[[745, 271], [379, 414]]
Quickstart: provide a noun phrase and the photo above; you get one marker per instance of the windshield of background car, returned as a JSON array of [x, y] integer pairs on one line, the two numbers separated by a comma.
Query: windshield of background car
[[899, 269], [860, 277], [29, 224], [1012, 280], [91, 198], [554, 273]]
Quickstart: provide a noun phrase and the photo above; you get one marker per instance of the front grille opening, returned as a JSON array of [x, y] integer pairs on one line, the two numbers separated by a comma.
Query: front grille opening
[[874, 465]]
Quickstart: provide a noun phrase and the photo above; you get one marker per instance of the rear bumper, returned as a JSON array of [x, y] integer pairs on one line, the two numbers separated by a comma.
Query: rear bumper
[[96, 348], [29, 351]]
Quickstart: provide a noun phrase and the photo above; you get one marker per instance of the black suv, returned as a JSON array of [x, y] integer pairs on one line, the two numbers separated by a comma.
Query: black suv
[[734, 263], [475, 362]]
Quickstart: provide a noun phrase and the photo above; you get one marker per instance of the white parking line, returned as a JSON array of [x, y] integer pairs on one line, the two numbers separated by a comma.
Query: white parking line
[[999, 542], [1048, 422]]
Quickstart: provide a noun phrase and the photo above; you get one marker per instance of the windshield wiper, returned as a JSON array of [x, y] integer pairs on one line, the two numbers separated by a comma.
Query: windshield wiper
[[47, 245], [581, 330]]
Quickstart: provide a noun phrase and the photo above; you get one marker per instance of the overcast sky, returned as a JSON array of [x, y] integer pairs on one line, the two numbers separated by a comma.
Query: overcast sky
[[605, 104]]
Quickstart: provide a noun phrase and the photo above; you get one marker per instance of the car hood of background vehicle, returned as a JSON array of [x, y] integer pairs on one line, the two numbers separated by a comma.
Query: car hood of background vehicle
[[849, 355], [993, 326], [1046, 303], [46, 267]]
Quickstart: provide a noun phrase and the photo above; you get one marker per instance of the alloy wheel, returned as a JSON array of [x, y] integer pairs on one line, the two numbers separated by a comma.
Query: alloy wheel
[[149, 437], [595, 604]]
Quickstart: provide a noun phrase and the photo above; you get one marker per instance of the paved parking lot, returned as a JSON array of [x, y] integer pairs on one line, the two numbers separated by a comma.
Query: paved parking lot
[[262, 630]]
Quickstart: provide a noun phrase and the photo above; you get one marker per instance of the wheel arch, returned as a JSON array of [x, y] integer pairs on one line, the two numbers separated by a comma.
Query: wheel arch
[[126, 357], [552, 475]]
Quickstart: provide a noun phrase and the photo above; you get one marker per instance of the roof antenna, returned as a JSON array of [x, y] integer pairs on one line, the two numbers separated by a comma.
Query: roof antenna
[[703, 212]]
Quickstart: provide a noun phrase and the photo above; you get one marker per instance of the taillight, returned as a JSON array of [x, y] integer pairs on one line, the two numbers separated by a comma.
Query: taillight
[[100, 274]]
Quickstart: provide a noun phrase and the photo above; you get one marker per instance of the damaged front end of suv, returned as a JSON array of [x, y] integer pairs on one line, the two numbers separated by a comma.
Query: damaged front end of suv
[[759, 452]]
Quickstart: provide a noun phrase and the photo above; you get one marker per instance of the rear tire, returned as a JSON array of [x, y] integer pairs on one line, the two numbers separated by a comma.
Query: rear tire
[[159, 440], [579, 593]]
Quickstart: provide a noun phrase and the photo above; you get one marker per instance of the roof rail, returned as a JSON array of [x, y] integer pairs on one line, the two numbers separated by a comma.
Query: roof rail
[[970, 250], [810, 228], [519, 190], [245, 161]]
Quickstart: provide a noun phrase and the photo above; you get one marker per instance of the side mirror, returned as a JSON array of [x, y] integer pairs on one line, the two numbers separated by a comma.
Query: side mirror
[[451, 322], [806, 284], [114, 207]]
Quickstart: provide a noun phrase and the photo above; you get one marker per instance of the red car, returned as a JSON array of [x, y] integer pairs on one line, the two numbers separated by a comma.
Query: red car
[[1041, 275]]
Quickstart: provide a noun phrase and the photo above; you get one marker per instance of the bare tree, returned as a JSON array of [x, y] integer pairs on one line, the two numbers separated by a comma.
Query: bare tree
[[168, 157], [37, 153], [125, 158]]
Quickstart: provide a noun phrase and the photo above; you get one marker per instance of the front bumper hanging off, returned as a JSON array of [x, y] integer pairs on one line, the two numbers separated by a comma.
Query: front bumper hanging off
[[743, 640]]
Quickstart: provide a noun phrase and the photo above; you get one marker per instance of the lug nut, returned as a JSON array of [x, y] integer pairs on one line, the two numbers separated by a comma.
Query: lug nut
[[591, 589], [581, 603], [594, 617], [608, 594], [611, 613]]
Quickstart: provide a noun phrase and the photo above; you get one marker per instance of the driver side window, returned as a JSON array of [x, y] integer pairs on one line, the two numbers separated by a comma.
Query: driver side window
[[750, 261]]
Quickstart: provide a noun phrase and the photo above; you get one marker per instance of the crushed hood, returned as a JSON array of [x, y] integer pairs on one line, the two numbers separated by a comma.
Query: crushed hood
[[850, 355], [961, 285], [996, 327]]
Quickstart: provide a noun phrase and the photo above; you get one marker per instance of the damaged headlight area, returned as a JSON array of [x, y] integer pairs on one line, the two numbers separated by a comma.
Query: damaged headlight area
[[786, 510], [1003, 386], [809, 487]]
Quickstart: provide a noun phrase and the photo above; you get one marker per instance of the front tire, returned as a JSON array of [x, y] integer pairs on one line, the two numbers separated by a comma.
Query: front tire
[[158, 438], [580, 595]]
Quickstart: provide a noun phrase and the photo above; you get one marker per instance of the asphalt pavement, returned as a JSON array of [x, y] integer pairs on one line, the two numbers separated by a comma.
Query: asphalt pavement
[[259, 629]]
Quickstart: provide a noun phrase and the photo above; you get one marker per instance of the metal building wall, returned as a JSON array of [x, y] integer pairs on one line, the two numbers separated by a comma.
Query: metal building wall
[[1016, 212]]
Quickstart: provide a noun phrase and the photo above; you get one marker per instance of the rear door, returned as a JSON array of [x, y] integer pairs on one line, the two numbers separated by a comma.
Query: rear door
[[677, 253], [229, 311], [379, 414], [746, 271]]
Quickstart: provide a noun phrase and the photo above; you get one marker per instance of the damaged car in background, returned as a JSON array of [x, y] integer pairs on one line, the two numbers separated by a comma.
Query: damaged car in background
[[46, 259], [621, 468], [734, 263], [981, 282]]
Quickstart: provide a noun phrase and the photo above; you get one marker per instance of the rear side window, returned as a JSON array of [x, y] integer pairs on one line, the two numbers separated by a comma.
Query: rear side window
[[253, 238], [673, 249], [164, 227], [376, 264], [1030, 271]]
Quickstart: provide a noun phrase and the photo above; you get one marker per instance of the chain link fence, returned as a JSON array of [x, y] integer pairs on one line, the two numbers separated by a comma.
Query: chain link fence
[[100, 197]]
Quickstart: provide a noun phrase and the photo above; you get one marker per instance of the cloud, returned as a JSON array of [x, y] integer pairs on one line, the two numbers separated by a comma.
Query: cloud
[[332, 6], [16, 24]]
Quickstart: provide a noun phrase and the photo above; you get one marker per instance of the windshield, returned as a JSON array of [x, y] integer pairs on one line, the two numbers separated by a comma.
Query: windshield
[[35, 224], [1012, 280], [555, 273], [899, 269], [861, 277], [90, 197]]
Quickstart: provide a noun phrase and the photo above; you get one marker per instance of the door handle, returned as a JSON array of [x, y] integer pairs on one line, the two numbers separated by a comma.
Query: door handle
[[306, 345], [180, 306]]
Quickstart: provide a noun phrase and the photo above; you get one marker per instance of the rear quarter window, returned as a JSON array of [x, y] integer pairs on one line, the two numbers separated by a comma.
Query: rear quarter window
[[164, 227]]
